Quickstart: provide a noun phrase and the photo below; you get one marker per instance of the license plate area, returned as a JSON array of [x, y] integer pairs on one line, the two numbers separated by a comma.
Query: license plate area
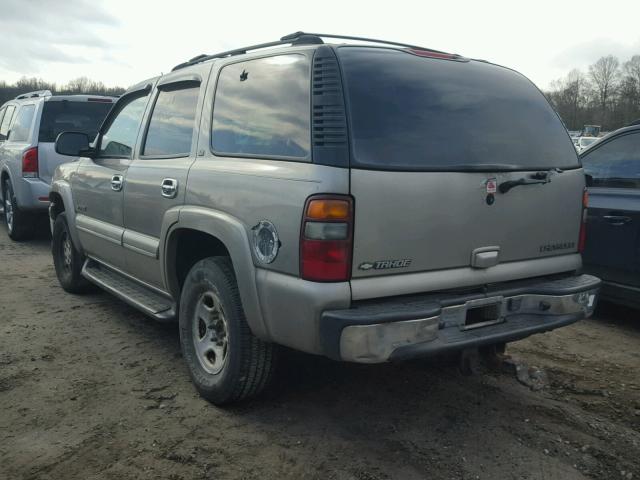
[[482, 313]]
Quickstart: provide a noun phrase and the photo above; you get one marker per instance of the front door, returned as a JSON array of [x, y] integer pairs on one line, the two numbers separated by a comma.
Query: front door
[[613, 224], [99, 182], [157, 178]]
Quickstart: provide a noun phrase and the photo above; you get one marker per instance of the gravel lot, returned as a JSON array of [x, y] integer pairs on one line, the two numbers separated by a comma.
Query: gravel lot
[[89, 388]]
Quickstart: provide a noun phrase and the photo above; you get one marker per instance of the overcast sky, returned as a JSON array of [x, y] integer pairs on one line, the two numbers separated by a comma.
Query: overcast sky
[[121, 42]]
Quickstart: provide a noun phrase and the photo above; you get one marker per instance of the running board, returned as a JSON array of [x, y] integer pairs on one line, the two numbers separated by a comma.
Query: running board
[[137, 295]]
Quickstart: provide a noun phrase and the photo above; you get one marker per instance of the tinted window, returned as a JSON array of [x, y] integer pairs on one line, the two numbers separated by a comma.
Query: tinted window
[[414, 113], [67, 116], [262, 108], [22, 126], [172, 121], [615, 163], [120, 137], [1, 117], [6, 122]]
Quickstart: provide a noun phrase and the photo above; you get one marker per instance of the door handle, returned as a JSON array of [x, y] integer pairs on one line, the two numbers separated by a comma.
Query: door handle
[[116, 182], [617, 219], [169, 187]]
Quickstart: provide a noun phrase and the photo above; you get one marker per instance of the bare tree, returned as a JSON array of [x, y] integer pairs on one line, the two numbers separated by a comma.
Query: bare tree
[[631, 70], [604, 74]]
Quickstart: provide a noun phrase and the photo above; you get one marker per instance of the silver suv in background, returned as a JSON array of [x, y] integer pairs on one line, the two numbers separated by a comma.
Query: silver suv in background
[[367, 203], [29, 125]]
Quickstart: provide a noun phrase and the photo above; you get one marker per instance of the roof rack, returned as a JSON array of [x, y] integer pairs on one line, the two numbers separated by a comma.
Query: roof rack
[[37, 93], [297, 38]]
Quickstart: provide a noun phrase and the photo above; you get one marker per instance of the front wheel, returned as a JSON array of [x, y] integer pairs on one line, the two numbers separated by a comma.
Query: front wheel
[[67, 260], [19, 224], [226, 361]]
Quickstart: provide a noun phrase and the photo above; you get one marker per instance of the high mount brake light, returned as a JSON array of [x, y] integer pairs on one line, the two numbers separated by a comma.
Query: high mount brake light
[[30, 163], [326, 238], [431, 54], [582, 238]]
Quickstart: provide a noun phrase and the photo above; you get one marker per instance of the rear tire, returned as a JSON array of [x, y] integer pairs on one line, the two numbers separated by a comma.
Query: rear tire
[[227, 363], [20, 225], [67, 260]]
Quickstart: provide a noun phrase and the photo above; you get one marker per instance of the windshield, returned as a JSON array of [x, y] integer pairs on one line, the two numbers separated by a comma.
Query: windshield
[[413, 113], [587, 141], [70, 116]]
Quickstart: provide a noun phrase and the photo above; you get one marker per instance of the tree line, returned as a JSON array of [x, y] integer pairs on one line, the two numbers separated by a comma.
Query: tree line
[[607, 94], [81, 85]]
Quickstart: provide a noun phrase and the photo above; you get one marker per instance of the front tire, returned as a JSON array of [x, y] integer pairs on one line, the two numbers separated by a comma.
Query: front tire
[[227, 363], [20, 225], [67, 260]]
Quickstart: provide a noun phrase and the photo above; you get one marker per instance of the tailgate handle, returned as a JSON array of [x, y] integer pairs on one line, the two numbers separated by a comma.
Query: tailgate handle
[[485, 257], [617, 219]]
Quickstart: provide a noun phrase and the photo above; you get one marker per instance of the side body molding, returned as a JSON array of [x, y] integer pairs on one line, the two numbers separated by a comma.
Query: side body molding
[[232, 233]]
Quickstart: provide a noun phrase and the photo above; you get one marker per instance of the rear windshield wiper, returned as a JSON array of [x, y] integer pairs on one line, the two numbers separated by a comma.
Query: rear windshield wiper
[[535, 178]]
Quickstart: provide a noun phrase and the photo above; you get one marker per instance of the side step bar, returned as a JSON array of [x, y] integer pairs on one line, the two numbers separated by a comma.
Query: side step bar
[[139, 296]]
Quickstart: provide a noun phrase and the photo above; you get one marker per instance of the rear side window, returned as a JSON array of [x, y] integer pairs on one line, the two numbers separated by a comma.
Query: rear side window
[[262, 108], [68, 116], [413, 113], [119, 139], [615, 164], [6, 122], [22, 126], [172, 122]]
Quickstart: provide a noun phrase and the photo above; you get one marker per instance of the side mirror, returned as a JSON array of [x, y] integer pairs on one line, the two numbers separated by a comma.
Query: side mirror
[[73, 144]]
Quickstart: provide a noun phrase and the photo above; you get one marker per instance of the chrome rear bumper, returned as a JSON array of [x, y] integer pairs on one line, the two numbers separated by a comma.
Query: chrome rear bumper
[[375, 332]]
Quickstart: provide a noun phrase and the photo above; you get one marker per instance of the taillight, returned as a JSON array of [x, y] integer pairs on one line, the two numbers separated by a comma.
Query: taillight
[[326, 238], [582, 238], [30, 163]]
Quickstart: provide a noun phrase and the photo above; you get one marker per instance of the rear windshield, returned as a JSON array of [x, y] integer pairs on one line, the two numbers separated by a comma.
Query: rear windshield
[[70, 116], [414, 113]]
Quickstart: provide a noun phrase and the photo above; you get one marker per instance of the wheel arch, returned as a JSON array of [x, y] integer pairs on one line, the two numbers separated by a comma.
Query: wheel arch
[[62, 201], [199, 233]]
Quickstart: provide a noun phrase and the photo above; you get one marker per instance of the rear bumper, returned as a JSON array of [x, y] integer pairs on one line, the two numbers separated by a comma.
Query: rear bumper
[[424, 325], [32, 193]]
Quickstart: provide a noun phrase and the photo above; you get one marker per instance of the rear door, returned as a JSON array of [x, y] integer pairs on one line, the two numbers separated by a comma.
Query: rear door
[[157, 178], [98, 183], [613, 226], [81, 114], [454, 164]]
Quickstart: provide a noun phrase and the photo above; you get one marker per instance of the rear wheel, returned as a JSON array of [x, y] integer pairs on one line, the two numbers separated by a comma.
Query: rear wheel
[[67, 260], [20, 225], [226, 361]]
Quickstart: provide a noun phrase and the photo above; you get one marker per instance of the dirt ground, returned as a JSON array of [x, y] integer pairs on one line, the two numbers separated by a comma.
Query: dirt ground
[[89, 388]]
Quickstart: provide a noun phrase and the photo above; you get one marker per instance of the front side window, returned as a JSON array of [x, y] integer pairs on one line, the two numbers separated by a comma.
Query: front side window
[[615, 164], [6, 122], [262, 108], [172, 122], [22, 126], [120, 137], [68, 116]]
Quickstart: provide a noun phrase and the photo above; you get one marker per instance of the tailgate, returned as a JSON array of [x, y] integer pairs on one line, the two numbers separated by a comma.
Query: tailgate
[[409, 221], [456, 164], [48, 160]]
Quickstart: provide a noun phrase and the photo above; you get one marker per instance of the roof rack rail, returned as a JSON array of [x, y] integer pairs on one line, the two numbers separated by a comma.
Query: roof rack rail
[[303, 39], [37, 93], [295, 35], [297, 38]]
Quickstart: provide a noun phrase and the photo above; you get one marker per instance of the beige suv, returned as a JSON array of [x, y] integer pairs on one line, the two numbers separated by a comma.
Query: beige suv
[[367, 203]]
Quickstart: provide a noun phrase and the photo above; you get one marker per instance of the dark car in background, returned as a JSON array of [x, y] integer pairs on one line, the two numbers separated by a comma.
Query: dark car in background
[[612, 249]]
